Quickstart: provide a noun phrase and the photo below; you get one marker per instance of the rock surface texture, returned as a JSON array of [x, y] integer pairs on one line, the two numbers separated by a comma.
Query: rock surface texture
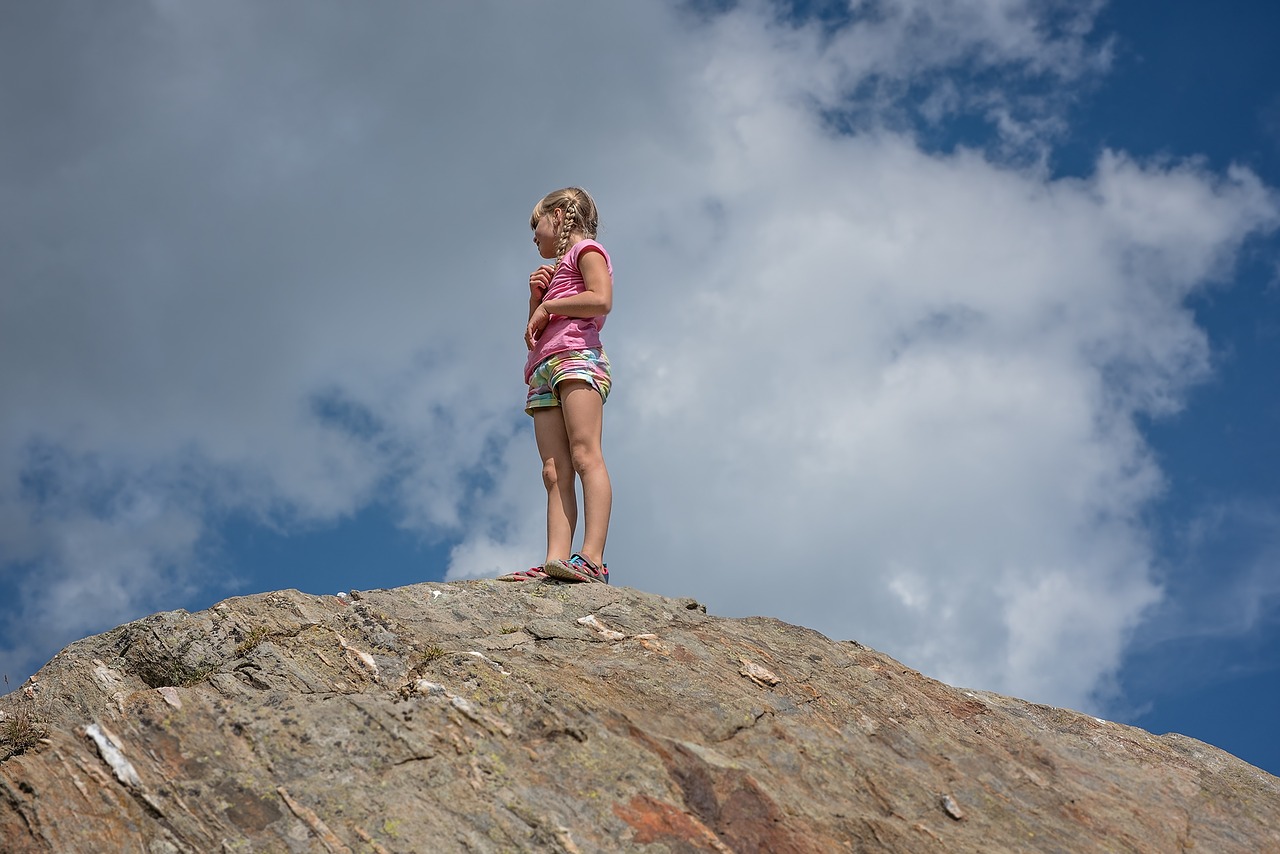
[[482, 716]]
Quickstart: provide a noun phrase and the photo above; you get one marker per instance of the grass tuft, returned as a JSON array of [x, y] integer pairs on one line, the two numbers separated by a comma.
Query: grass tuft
[[255, 637], [21, 731]]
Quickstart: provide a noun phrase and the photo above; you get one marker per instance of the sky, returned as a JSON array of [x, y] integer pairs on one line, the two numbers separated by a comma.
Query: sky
[[947, 327]]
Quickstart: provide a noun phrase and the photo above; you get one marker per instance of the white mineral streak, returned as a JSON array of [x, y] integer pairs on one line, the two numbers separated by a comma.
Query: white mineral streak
[[365, 659], [758, 674], [108, 680], [170, 696], [429, 689], [565, 840], [462, 704], [109, 749], [600, 628], [952, 808], [495, 665]]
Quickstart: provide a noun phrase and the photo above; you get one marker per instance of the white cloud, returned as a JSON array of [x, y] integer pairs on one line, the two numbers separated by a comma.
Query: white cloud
[[880, 391], [901, 406]]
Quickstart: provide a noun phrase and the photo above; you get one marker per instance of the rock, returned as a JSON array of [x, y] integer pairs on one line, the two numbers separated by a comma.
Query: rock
[[486, 716]]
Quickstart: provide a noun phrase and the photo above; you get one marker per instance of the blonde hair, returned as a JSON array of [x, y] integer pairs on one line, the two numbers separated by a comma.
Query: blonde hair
[[579, 214]]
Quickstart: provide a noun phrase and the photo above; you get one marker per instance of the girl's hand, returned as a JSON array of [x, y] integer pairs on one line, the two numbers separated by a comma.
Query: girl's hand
[[539, 279], [537, 322]]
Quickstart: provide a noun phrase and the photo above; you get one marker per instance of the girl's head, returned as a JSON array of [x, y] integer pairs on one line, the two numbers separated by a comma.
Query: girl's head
[[561, 214]]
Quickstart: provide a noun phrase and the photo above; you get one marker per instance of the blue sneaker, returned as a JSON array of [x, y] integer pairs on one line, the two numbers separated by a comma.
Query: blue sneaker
[[577, 568]]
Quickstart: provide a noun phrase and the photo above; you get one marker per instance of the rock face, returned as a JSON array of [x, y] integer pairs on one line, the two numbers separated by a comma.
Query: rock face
[[483, 716]]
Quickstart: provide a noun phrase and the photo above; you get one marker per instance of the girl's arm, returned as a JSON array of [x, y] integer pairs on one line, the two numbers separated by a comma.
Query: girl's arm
[[538, 281], [596, 300]]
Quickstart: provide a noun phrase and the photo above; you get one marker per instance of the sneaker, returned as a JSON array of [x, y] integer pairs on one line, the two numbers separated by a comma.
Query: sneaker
[[533, 573], [577, 568]]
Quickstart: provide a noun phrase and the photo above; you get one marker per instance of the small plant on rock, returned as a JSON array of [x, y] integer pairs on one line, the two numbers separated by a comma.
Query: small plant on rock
[[422, 657], [21, 731], [251, 641]]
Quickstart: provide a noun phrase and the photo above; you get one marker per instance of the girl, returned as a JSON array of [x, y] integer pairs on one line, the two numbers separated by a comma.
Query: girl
[[568, 376]]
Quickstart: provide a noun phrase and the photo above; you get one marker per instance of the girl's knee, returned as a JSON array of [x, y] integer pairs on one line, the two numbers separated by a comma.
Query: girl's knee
[[586, 458], [550, 476]]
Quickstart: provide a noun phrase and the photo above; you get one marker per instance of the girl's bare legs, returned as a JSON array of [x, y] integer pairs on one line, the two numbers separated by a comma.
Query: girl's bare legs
[[583, 419], [557, 475]]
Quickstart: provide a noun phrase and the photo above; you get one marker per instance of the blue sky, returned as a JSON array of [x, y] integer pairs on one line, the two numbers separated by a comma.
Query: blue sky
[[1190, 79], [948, 327]]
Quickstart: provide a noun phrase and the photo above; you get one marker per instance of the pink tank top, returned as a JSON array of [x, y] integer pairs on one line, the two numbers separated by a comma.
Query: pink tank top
[[568, 333]]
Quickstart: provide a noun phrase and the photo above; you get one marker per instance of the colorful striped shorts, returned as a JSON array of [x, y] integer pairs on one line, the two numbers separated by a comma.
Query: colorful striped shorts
[[590, 366]]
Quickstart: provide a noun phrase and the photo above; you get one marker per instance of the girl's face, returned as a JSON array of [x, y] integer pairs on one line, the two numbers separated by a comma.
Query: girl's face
[[546, 233]]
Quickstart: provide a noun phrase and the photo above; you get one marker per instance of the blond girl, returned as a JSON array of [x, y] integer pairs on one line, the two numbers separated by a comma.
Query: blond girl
[[568, 376]]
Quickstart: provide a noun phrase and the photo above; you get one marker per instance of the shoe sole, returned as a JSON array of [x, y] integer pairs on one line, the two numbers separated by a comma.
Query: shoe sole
[[561, 572]]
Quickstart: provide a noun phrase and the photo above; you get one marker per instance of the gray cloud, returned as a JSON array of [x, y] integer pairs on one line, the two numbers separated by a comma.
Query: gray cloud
[[270, 260]]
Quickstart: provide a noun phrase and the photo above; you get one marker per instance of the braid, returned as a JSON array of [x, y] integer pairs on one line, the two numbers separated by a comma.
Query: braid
[[571, 217]]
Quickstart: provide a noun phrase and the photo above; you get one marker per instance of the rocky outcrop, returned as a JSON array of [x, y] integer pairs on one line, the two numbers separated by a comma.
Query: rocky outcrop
[[482, 716]]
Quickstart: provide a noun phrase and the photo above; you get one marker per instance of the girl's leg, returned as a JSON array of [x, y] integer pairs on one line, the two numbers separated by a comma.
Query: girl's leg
[[557, 476], [583, 421]]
